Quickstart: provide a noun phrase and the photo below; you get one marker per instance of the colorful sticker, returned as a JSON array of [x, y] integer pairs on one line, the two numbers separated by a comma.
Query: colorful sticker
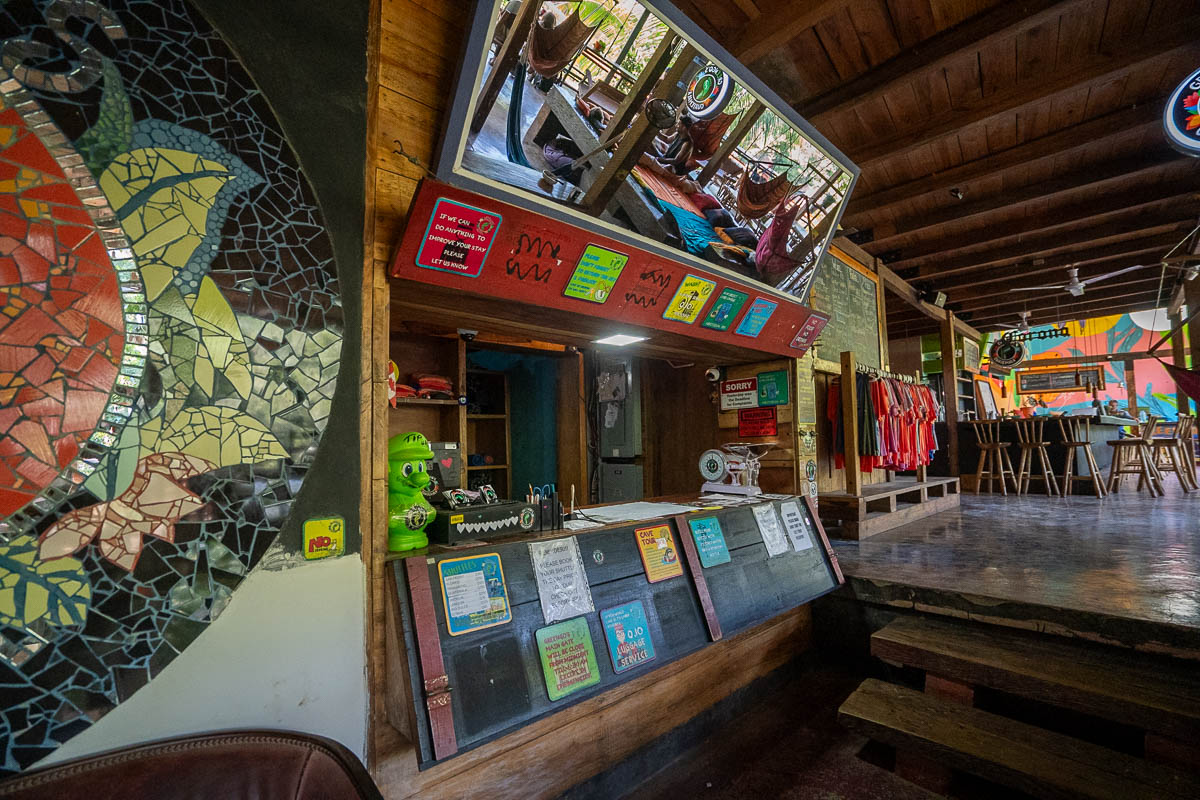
[[756, 318], [628, 635], [773, 388], [474, 594], [725, 309], [568, 657], [660, 556], [324, 537], [458, 238], [689, 299], [596, 274], [710, 541]]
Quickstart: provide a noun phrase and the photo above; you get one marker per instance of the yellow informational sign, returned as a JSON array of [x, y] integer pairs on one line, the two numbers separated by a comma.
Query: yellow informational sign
[[660, 556], [324, 537], [689, 299]]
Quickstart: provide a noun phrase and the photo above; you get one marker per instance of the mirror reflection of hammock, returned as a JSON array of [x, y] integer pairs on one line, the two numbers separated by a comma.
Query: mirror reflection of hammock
[[1186, 379]]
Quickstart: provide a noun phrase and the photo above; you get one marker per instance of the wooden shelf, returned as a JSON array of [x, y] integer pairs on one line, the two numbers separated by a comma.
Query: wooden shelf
[[487, 466], [424, 401], [487, 416]]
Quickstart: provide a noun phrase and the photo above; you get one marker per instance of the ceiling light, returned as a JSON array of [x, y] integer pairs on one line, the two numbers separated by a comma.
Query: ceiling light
[[620, 339], [956, 193]]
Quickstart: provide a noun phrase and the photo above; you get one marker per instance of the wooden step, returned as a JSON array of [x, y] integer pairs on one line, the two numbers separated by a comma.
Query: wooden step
[[1156, 694], [1002, 750]]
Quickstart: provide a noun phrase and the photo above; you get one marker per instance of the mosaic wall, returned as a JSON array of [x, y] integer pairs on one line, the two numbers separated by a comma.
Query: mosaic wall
[[1120, 333], [170, 333]]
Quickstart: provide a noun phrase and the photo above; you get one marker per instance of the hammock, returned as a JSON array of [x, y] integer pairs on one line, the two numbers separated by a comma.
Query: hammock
[[706, 136], [756, 199], [1186, 379], [772, 256], [552, 49], [512, 126]]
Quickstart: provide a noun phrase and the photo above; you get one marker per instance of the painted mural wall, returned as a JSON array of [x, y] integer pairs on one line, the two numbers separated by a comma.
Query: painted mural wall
[[171, 336], [1124, 333]]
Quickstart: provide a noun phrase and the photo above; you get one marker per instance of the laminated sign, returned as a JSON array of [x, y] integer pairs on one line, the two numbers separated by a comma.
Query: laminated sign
[[568, 657], [628, 634], [660, 556], [771, 530], [796, 524], [473, 593], [562, 583]]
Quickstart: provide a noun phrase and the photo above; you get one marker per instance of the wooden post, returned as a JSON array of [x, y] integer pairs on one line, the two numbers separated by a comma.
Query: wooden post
[[922, 470], [850, 423], [749, 117], [506, 59], [641, 88], [1131, 386], [950, 391], [1179, 358], [636, 140]]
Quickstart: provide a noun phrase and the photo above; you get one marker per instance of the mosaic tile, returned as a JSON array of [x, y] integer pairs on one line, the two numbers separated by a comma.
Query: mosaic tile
[[170, 335]]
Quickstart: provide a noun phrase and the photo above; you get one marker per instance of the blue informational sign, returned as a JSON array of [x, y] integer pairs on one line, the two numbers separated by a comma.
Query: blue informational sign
[[473, 593], [710, 541], [628, 635], [756, 317]]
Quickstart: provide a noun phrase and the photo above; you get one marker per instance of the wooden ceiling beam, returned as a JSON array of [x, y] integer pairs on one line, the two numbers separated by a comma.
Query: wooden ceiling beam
[[1052, 243], [902, 289], [1125, 122], [935, 54], [777, 26], [1163, 45], [1112, 205], [1140, 166]]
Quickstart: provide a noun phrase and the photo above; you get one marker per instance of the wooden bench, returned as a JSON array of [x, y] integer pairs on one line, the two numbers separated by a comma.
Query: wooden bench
[[1158, 695], [1011, 753], [884, 506]]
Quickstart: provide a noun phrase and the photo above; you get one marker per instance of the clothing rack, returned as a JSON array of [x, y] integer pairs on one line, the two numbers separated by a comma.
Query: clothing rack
[[875, 372], [850, 369]]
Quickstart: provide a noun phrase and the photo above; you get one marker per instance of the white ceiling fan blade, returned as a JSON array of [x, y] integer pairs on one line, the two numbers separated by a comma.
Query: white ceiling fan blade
[[1108, 275], [1038, 288]]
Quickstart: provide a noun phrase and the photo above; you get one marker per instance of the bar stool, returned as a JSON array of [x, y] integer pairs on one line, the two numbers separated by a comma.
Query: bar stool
[[1030, 440], [993, 454], [1172, 453], [1077, 435], [1133, 456]]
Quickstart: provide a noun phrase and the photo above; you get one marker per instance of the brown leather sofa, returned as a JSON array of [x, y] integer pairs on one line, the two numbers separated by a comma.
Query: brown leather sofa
[[228, 765]]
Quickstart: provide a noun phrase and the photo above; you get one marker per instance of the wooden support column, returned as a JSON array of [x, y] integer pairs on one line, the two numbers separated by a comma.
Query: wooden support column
[[641, 88], [1131, 386], [850, 422], [749, 117], [950, 390], [1192, 297], [506, 59], [635, 142], [1179, 359]]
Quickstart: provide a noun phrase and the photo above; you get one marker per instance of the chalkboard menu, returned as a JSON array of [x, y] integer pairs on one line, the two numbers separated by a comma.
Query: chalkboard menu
[[1066, 380], [848, 297]]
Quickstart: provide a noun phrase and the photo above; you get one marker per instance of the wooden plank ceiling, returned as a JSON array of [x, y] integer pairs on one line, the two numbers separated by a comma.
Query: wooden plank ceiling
[[1000, 141]]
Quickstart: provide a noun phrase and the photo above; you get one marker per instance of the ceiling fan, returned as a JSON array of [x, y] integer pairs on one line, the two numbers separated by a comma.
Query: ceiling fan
[[1074, 286]]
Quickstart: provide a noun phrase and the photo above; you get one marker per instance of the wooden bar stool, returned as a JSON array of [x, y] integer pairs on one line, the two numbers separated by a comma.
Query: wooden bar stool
[[1030, 440], [993, 454], [1133, 456], [1173, 453], [1077, 435]]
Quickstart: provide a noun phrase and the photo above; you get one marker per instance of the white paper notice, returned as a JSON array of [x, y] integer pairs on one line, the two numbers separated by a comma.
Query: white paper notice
[[466, 593], [562, 583], [771, 530], [796, 525]]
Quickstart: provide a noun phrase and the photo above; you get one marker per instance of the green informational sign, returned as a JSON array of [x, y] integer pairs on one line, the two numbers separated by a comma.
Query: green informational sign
[[568, 657], [773, 388], [725, 309], [596, 274]]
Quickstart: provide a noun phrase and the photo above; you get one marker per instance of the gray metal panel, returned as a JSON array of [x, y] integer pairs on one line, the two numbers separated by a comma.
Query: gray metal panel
[[620, 483]]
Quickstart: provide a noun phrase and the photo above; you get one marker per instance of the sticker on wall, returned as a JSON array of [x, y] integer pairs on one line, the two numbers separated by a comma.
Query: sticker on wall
[[689, 299], [324, 537], [773, 388], [568, 657], [756, 318], [562, 583], [473, 593], [710, 541], [596, 274], [458, 238], [628, 635], [757, 422], [725, 309], [796, 525], [660, 556], [770, 529], [812, 490]]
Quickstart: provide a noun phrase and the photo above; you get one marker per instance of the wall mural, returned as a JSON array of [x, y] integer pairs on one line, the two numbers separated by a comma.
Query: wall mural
[[1122, 333], [170, 333]]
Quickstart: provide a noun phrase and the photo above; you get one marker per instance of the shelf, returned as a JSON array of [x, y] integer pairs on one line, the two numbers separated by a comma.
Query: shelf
[[424, 401], [487, 466], [486, 416]]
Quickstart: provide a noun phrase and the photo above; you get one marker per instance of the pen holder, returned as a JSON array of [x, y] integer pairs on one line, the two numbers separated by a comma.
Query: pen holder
[[549, 514]]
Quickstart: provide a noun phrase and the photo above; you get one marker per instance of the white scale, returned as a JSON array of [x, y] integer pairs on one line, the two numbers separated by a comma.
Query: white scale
[[734, 468]]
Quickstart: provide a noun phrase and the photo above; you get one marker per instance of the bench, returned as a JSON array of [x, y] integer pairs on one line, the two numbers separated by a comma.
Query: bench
[[1004, 751]]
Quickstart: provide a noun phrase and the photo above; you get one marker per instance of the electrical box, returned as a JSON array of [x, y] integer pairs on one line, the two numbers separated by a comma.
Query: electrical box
[[620, 483], [619, 398]]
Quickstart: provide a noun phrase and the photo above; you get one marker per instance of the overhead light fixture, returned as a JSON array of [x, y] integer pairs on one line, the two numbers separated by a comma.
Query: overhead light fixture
[[956, 193], [620, 339]]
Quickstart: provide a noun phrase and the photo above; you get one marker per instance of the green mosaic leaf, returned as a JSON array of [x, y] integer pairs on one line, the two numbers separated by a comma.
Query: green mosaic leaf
[[56, 591], [113, 132]]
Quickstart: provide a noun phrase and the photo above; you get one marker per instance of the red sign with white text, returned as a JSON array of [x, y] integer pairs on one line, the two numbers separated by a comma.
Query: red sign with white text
[[758, 422], [458, 238]]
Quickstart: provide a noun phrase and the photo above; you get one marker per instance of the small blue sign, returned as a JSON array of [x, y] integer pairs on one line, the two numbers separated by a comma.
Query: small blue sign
[[628, 635], [710, 541], [756, 317]]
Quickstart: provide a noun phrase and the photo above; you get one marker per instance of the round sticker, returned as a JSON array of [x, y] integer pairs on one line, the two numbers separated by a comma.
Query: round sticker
[[526, 519], [1181, 117], [708, 92], [810, 470], [1006, 353]]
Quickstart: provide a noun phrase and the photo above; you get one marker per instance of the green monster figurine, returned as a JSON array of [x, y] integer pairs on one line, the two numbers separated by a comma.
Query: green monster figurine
[[408, 510]]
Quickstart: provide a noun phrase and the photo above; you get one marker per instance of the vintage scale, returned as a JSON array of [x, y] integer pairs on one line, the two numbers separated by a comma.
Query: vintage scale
[[734, 468]]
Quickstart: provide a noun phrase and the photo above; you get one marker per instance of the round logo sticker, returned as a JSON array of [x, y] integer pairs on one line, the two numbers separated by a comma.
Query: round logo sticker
[[526, 519], [1006, 353], [1181, 117], [708, 92], [415, 517]]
